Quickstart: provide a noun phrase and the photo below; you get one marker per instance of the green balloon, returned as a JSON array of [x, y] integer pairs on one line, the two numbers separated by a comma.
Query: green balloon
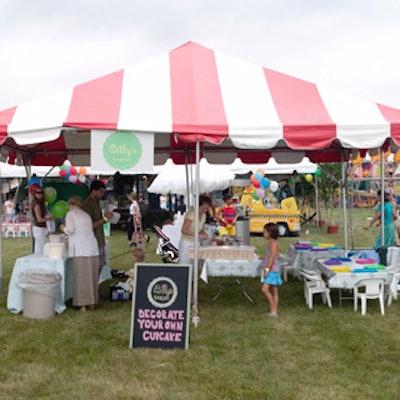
[[254, 195], [318, 172], [50, 194], [59, 209]]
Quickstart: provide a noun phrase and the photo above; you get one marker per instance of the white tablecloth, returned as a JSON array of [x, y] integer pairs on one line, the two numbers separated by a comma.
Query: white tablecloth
[[393, 255], [347, 280], [307, 258], [63, 266], [225, 252], [235, 268]]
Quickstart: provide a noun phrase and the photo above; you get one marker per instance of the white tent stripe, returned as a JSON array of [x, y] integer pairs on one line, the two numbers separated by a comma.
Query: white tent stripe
[[356, 119], [248, 104], [45, 114], [146, 96]]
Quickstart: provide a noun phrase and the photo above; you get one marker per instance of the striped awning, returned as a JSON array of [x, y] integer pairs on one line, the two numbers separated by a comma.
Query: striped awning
[[191, 94]]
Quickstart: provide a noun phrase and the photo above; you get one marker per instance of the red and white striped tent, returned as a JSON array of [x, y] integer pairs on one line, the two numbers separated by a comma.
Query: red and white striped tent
[[194, 94], [194, 98]]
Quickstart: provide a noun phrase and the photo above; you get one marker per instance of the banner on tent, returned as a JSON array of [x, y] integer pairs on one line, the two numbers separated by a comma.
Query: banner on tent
[[122, 151]]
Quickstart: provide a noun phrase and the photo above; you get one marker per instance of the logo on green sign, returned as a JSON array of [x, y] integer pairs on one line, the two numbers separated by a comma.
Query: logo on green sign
[[122, 150]]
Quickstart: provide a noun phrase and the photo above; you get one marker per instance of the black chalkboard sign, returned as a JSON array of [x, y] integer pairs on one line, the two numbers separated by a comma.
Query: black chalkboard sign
[[161, 306]]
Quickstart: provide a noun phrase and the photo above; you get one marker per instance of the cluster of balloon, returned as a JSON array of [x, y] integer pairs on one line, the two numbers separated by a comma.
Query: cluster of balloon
[[58, 208], [72, 174], [33, 184], [259, 183]]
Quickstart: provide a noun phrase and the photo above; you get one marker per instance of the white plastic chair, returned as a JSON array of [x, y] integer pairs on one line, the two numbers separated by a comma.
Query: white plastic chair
[[374, 289], [23, 230], [286, 265], [10, 230], [394, 288], [314, 284], [304, 272]]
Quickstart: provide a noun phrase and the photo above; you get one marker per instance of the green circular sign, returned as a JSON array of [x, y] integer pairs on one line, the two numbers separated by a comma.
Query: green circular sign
[[122, 150]]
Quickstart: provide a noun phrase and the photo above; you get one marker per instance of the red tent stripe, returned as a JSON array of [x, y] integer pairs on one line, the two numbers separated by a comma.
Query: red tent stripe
[[197, 106], [299, 106], [96, 104], [6, 117]]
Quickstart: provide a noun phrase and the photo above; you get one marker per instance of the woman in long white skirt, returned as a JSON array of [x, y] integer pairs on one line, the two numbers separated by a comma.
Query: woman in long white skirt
[[83, 247]]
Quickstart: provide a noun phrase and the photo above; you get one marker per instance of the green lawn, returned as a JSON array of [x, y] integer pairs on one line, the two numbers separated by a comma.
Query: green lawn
[[236, 352]]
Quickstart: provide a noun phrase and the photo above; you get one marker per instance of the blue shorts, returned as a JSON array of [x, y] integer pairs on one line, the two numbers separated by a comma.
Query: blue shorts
[[273, 278]]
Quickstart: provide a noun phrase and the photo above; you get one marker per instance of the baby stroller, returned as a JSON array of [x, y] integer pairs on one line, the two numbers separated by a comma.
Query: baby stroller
[[168, 252]]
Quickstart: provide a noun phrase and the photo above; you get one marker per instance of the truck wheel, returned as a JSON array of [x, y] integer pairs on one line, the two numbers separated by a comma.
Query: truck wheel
[[283, 230]]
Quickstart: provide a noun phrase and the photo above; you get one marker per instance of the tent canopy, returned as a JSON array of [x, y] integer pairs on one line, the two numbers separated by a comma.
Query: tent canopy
[[191, 94], [274, 168], [173, 179]]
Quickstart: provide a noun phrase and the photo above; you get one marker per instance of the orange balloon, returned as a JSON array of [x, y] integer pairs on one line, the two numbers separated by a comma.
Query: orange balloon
[[397, 157], [82, 171]]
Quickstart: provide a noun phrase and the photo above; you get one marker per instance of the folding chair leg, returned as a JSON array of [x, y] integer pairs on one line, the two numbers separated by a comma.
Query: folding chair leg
[[382, 304], [328, 299], [363, 305], [310, 300]]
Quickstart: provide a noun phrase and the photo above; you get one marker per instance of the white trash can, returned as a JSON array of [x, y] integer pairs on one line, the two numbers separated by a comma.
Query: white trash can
[[40, 290]]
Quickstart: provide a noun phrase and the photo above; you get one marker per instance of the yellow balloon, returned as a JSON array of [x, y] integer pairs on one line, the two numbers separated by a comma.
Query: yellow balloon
[[309, 178]]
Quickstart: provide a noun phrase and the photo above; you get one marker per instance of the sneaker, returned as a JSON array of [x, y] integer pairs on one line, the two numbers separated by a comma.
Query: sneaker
[[271, 315]]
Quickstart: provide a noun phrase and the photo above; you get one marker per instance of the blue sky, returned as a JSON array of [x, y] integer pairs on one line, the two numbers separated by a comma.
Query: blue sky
[[50, 45]]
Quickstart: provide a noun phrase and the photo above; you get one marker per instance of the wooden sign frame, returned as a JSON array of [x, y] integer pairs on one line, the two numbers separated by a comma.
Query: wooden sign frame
[[161, 306]]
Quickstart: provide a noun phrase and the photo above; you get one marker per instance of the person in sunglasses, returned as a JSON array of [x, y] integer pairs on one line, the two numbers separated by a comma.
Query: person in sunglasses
[[40, 216]]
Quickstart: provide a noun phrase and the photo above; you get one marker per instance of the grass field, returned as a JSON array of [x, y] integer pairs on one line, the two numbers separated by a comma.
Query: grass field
[[236, 352]]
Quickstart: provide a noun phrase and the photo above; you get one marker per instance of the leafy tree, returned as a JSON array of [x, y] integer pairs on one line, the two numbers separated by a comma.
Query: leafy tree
[[328, 186]]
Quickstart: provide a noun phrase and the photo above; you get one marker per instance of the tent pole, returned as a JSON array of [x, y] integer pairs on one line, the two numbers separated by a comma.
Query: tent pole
[[317, 219], [188, 191], [1, 238], [196, 318], [344, 182], [351, 214], [382, 197]]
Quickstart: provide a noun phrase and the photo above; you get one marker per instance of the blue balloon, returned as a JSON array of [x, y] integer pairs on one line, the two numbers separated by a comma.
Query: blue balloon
[[34, 180], [258, 176], [264, 183]]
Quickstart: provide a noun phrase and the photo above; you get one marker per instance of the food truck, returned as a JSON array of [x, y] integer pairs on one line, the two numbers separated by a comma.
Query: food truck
[[285, 213]]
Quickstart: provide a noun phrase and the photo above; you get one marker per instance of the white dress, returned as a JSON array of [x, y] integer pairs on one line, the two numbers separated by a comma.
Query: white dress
[[81, 239], [83, 247]]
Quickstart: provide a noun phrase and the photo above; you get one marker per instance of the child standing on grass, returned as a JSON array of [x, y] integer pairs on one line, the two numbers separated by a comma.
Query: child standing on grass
[[271, 269], [137, 257]]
